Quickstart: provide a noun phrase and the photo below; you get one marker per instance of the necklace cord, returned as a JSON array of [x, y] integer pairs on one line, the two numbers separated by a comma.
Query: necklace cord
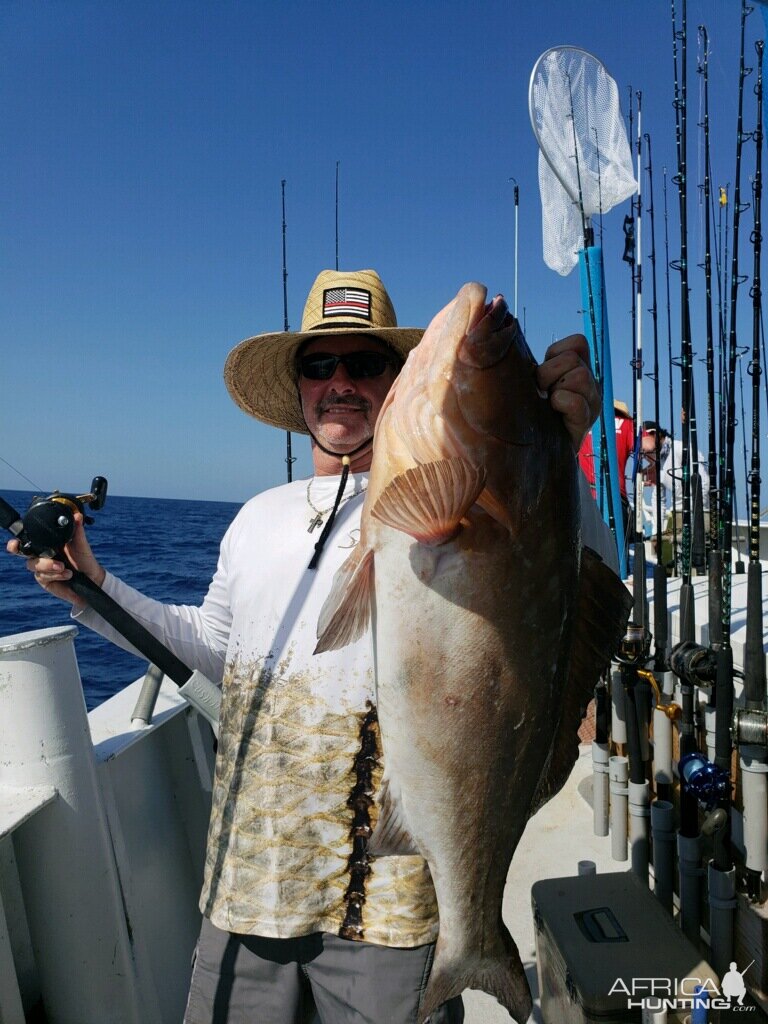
[[328, 526]]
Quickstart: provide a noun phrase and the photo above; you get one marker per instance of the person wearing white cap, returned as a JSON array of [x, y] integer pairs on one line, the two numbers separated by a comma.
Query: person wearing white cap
[[297, 919]]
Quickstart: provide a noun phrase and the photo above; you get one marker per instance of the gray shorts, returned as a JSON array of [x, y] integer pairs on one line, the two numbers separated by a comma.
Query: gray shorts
[[314, 979]]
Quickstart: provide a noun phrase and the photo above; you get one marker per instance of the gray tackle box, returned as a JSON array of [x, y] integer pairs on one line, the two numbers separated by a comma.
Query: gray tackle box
[[597, 933]]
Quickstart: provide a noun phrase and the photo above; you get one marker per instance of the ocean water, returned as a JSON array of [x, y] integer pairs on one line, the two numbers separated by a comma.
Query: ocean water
[[165, 548]]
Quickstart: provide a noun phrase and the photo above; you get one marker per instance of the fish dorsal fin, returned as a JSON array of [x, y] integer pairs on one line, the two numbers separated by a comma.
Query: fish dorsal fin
[[391, 836], [429, 501], [600, 617], [347, 610]]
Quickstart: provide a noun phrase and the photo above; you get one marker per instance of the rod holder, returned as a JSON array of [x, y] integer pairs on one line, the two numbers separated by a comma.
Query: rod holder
[[650, 1016], [754, 787], [722, 913], [662, 748], [710, 716], [642, 709], [639, 794], [600, 787], [691, 872], [619, 776], [663, 833], [618, 718], [150, 690]]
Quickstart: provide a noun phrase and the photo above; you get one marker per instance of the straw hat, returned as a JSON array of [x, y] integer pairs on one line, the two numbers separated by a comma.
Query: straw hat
[[260, 372], [622, 409]]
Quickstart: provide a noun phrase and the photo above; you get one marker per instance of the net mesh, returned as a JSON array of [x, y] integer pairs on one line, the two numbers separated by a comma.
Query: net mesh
[[570, 89]]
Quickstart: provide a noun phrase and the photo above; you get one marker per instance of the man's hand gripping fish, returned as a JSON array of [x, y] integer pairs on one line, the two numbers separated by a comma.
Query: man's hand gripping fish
[[491, 625]]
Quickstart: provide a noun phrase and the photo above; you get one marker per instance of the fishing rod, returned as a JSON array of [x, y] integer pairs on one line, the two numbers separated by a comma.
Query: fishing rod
[[687, 622], [714, 567], [751, 723], [722, 883], [698, 546], [599, 184], [44, 530], [721, 248], [689, 851], [698, 539], [754, 657], [660, 630], [517, 204], [289, 458], [670, 364], [629, 257], [740, 568], [725, 526], [633, 653], [639, 588], [337, 214], [642, 692], [723, 358]]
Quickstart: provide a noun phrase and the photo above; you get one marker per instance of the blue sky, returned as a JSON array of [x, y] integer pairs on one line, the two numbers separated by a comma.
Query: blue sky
[[141, 153]]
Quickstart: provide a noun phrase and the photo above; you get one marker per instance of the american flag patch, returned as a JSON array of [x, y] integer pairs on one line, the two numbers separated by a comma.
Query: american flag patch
[[347, 302]]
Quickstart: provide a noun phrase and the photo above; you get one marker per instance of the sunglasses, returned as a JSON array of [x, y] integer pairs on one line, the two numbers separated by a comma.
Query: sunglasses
[[359, 365]]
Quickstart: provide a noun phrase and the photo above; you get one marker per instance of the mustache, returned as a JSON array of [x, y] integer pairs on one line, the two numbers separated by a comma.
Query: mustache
[[353, 401]]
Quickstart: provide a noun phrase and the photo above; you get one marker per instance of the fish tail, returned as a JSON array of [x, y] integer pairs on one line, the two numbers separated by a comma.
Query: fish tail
[[502, 976]]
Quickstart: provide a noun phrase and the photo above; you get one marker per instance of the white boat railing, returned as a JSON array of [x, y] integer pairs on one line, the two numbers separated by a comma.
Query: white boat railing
[[102, 835]]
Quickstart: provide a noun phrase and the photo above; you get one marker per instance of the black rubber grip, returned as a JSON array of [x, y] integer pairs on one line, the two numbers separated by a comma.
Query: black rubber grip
[[152, 649]]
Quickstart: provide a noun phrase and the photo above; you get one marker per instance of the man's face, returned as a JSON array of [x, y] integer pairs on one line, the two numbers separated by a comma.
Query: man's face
[[341, 412], [648, 452], [649, 444]]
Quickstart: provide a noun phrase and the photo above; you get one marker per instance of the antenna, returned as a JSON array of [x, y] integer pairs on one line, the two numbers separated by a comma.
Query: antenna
[[289, 458], [337, 214], [517, 204]]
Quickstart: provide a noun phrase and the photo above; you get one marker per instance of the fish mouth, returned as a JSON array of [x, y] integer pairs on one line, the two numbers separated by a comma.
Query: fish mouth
[[488, 341]]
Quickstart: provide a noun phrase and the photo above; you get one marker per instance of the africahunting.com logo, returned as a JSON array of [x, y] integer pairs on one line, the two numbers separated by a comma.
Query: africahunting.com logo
[[655, 994]]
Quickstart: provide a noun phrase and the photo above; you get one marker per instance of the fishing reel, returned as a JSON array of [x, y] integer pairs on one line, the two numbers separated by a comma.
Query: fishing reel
[[635, 646], [49, 522], [705, 780], [693, 664]]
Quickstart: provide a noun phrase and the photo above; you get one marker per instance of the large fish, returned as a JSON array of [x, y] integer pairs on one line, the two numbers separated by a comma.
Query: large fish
[[490, 624]]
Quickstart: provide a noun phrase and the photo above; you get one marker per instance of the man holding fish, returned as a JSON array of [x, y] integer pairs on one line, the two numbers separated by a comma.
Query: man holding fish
[[397, 657]]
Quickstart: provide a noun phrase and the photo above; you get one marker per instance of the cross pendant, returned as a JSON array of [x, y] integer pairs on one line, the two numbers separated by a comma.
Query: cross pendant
[[317, 521]]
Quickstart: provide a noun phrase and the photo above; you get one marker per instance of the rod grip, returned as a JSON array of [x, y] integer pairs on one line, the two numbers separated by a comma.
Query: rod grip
[[754, 655], [127, 626], [698, 543], [660, 626], [9, 517]]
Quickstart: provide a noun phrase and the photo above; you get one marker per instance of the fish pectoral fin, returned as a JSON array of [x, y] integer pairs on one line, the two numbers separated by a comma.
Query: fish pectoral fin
[[391, 837], [429, 501], [347, 610], [600, 617], [499, 511]]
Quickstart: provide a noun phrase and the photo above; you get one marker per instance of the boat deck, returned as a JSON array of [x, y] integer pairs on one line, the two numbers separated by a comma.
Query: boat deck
[[556, 839]]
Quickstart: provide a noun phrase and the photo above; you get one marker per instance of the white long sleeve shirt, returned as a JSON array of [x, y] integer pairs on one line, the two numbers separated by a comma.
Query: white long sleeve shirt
[[279, 841]]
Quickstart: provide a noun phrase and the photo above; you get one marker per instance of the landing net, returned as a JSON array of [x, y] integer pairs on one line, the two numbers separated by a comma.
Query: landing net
[[585, 163]]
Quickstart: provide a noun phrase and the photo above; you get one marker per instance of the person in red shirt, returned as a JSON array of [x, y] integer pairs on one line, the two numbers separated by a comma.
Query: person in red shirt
[[625, 446]]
